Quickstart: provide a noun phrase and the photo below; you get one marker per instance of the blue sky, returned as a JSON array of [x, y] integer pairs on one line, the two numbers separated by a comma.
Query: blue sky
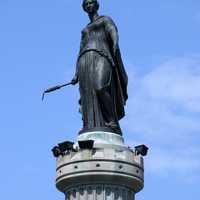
[[160, 44]]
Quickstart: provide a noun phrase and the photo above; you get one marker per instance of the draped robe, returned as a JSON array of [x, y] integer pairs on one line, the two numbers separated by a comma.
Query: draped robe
[[100, 66]]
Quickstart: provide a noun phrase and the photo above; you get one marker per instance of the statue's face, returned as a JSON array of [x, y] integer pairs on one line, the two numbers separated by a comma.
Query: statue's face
[[90, 6]]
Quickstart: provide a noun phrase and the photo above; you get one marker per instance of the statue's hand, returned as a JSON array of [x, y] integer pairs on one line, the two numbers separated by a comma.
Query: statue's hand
[[74, 81]]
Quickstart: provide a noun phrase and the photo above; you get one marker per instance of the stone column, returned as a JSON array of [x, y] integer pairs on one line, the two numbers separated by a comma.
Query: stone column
[[99, 192], [108, 171]]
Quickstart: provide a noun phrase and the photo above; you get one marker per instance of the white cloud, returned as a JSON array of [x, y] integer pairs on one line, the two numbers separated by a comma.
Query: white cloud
[[183, 162], [163, 111], [178, 81]]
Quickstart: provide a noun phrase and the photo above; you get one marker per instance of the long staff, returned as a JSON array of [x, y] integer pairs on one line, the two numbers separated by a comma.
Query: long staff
[[52, 89]]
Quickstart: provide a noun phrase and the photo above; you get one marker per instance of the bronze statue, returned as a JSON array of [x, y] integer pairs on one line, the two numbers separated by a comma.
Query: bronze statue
[[100, 73]]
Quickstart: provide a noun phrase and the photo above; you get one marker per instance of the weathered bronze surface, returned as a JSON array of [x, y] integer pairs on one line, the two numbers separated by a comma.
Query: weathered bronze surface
[[100, 73]]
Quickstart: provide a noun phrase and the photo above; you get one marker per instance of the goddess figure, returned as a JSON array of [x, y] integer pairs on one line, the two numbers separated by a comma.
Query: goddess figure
[[100, 73]]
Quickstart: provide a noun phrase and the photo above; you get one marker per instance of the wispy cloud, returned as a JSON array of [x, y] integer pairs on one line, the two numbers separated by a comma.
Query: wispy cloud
[[164, 112], [183, 163]]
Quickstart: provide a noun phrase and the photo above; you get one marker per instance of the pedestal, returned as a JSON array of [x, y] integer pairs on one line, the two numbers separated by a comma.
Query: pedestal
[[108, 171]]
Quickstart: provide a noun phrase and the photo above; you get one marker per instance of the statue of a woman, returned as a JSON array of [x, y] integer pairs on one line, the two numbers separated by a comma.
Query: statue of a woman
[[100, 73]]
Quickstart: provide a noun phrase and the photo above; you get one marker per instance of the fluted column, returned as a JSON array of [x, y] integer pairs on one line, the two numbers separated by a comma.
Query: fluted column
[[99, 192]]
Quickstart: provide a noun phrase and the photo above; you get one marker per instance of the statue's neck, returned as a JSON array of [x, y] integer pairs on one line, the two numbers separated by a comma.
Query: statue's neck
[[93, 16]]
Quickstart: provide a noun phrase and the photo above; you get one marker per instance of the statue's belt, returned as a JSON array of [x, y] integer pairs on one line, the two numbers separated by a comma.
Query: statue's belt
[[101, 52]]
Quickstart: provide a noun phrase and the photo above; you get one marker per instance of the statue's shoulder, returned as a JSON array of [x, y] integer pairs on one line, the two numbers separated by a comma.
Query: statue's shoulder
[[106, 18], [108, 21]]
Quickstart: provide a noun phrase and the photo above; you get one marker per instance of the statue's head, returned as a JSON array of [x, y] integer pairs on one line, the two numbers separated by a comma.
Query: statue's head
[[90, 6]]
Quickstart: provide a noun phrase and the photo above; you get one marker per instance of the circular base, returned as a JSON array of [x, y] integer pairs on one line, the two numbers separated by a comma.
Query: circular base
[[102, 138], [100, 166]]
